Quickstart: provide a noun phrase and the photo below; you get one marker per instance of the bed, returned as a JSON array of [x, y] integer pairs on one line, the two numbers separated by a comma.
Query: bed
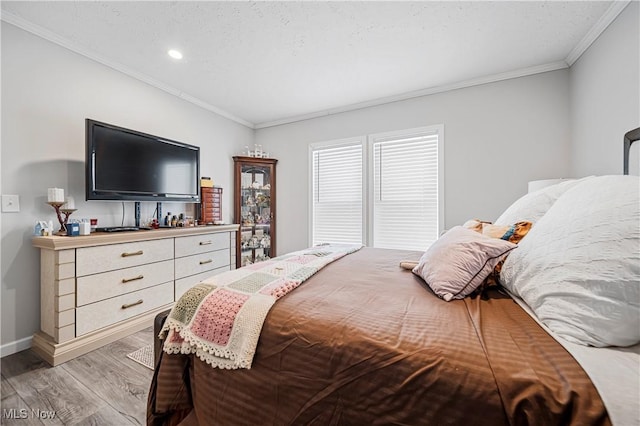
[[365, 341]]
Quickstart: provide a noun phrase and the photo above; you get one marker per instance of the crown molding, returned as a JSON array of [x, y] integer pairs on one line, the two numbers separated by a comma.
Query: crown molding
[[598, 28], [601, 25], [74, 47], [523, 72]]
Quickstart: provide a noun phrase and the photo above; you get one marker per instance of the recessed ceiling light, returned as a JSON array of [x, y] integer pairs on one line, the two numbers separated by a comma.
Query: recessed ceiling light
[[175, 54]]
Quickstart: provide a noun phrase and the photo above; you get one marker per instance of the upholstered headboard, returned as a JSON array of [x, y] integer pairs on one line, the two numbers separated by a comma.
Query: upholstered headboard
[[630, 137]]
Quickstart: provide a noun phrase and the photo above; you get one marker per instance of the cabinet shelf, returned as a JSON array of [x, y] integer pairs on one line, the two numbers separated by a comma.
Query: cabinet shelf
[[256, 189]]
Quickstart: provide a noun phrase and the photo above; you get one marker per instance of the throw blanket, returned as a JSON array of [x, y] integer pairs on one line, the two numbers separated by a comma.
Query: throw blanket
[[220, 319]]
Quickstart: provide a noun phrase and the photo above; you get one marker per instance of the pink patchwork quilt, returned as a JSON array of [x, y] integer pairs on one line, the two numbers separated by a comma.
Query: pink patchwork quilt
[[220, 319]]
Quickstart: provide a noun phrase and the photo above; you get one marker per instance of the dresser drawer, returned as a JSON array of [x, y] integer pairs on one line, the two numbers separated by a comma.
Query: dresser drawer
[[91, 260], [184, 284], [195, 244], [204, 262], [101, 314], [211, 210], [92, 288]]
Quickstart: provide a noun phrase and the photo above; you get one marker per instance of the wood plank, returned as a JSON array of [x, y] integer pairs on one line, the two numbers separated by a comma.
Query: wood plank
[[122, 382], [141, 338], [14, 410], [98, 388], [5, 387], [49, 389], [110, 416]]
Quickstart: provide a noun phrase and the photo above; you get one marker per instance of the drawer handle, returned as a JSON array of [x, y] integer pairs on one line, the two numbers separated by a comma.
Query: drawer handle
[[204, 262], [135, 253], [129, 305], [128, 280], [205, 243]]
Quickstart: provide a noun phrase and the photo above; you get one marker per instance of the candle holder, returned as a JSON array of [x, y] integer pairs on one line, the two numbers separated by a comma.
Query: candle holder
[[60, 212]]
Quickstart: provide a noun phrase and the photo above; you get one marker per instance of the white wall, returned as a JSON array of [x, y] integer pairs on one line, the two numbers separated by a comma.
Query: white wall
[[605, 96], [497, 137], [47, 92]]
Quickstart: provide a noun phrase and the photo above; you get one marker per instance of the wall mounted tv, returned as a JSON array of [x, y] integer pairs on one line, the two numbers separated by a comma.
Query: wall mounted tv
[[123, 164]]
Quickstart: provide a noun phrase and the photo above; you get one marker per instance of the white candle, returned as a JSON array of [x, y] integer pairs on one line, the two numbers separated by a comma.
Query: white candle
[[55, 195], [70, 203]]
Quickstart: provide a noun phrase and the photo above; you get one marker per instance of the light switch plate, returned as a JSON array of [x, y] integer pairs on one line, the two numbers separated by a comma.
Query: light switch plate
[[10, 203]]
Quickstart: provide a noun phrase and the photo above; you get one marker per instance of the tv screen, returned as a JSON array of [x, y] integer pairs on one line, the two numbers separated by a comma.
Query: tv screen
[[123, 164]]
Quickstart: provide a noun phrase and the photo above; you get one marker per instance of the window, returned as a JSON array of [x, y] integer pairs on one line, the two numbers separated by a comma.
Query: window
[[337, 189], [405, 202], [400, 175]]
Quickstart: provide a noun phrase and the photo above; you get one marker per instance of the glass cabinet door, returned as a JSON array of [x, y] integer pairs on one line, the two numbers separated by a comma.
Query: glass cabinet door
[[255, 209]]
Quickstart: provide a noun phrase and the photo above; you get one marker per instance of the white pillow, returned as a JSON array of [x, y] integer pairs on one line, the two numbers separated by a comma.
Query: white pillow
[[459, 261], [579, 266], [532, 206]]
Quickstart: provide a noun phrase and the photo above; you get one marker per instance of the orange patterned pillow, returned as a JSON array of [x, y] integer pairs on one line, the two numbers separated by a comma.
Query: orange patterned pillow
[[513, 233]]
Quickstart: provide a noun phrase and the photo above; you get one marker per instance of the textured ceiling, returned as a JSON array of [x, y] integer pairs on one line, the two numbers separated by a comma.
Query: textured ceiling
[[267, 62]]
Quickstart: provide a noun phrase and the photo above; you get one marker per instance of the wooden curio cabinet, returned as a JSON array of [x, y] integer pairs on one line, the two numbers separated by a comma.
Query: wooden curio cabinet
[[255, 209]]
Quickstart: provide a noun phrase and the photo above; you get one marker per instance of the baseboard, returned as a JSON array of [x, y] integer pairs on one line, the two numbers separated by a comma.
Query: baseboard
[[15, 347]]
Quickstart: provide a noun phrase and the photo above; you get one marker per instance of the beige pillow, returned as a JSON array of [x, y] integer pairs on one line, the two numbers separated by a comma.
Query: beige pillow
[[459, 261], [475, 224]]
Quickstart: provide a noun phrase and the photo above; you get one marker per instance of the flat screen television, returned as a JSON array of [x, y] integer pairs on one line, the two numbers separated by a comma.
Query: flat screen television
[[124, 164]]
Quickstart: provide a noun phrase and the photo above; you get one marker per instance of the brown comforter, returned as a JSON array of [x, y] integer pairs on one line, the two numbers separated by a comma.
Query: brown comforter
[[365, 342]]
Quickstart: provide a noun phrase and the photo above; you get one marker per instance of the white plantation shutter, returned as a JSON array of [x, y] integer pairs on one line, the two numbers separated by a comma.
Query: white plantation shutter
[[405, 204], [337, 194], [386, 193]]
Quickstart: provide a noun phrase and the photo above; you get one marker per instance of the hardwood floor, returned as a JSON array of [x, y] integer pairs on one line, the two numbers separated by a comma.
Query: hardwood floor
[[103, 387]]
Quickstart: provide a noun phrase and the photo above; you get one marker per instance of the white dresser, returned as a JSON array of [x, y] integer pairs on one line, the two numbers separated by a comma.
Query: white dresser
[[99, 288]]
